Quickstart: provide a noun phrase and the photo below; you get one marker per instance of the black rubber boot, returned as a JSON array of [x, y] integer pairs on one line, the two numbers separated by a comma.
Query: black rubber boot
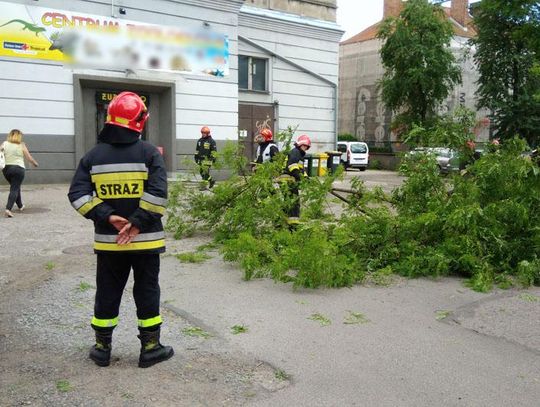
[[152, 351], [100, 353]]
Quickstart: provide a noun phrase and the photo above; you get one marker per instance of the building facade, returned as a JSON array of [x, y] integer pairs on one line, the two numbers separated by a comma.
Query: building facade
[[361, 110], [258, 63]]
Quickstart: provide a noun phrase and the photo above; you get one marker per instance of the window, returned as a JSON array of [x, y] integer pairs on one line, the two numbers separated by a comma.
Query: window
[[252, 73]]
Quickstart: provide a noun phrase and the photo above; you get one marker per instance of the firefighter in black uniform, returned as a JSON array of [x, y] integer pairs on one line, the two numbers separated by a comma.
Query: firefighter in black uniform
[[294, 172], [206, 155], [121, 185]]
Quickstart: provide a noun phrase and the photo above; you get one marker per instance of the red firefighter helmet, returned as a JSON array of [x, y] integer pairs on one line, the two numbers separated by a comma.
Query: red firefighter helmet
[[205, 130], [303, 140], [127, 110], [267, 134]]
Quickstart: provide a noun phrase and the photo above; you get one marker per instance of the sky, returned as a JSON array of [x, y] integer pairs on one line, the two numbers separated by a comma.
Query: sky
[[355, 16]]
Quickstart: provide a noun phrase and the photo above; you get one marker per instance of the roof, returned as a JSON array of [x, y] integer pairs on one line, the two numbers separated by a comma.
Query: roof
[[370, 33]]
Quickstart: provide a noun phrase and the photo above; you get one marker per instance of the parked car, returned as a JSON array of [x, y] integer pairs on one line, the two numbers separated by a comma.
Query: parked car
[[354, 154], [447, 158]]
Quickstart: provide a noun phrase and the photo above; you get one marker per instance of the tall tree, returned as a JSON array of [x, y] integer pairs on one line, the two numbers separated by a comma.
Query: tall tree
[[507, 51], [420, 68]]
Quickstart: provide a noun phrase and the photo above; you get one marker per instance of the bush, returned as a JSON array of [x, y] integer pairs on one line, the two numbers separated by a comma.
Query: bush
[[346, 137]]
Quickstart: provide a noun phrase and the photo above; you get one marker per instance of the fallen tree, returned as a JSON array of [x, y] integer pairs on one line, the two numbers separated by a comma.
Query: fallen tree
[[483, 224]]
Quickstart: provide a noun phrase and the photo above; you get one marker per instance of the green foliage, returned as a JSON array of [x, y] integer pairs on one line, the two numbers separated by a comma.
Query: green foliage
[[420, 68], [375, 164], [481, 224], [507, 54], [450, 130], [346, 137]]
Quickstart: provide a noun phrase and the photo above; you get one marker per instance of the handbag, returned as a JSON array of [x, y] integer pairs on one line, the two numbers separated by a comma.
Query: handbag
[[2, 157]]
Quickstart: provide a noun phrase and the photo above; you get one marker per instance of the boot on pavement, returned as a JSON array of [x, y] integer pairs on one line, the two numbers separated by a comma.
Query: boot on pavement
[[152, 351], [100, 353]]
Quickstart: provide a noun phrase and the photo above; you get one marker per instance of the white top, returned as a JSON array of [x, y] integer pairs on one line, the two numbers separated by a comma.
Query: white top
[[14, 154]]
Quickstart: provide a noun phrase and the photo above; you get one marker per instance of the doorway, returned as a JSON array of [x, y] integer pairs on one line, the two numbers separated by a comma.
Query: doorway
[[251, 118], [103, 98], [92, 96]]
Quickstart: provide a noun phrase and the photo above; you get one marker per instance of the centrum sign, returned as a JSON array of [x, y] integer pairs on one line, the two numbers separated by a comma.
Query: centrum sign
[[107, 43]]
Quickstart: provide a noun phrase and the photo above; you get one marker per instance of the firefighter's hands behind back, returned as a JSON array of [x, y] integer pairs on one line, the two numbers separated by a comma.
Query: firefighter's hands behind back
[[127, 234], [118, 222]]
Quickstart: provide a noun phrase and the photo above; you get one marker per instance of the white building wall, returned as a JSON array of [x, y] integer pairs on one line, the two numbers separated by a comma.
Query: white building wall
[[39, 97], [303, 65]]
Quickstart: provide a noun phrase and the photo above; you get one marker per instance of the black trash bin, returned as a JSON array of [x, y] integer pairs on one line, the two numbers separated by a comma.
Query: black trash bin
[[334, 159]]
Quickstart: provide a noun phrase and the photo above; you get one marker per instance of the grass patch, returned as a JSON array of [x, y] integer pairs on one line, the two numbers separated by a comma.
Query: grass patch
[[196, 332], [192, 257], [238, 329], [84, 286], [281, 375], [321, 319], [63, 386], [49, 266]]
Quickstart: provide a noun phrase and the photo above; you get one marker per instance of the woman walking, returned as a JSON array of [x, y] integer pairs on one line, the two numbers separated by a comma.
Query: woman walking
[[15, 152]]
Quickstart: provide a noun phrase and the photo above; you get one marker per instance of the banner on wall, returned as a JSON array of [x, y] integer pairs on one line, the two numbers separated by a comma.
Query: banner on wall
[[100, 42]]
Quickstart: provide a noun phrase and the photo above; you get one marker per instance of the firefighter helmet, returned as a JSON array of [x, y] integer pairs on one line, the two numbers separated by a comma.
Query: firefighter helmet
[[267, 134], [303, 140], [127, 110], [205, 130]]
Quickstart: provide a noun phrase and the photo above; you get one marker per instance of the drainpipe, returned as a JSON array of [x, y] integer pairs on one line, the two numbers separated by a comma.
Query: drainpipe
[[335, 116]]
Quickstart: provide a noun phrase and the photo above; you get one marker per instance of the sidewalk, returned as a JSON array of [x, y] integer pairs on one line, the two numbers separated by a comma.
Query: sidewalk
[[413, 343]]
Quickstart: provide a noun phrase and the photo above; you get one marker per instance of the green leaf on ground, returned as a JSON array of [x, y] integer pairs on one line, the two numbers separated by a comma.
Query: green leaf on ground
[[441, 314], [239, 329], [192, 257], [355, 318], [196, 331], [529, 297], [321, 319]]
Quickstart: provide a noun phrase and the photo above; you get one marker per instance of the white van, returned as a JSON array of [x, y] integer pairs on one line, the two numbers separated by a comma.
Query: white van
[[354, 154]]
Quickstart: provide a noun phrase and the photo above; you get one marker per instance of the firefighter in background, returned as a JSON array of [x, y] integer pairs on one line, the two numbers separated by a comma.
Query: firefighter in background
[[267, 149], [121, 185], [206, 155], [294, 173]]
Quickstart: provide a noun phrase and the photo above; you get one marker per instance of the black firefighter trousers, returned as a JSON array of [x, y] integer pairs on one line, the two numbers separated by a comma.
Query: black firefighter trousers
[[111, 278]]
